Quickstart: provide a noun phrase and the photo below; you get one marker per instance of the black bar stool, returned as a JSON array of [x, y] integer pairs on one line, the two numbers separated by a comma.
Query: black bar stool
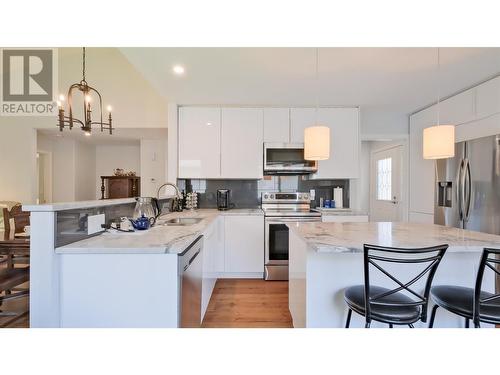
[[475, 304], [394, 306]]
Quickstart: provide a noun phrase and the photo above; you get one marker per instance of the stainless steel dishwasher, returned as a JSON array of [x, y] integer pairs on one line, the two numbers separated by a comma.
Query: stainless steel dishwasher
[[190, 275]]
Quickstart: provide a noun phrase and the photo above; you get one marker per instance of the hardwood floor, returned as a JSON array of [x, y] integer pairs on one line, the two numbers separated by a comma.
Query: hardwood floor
[[248, 303], [16, 305], [235, 303]]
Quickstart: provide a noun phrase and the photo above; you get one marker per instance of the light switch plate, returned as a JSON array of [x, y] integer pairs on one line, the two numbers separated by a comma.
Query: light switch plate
[[94, 223]]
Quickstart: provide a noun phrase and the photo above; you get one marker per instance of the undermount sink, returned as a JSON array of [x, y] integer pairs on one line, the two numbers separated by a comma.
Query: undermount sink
[[183, 221]]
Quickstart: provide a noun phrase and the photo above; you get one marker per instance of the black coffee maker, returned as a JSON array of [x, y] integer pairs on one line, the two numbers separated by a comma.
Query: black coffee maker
[[223, 199]]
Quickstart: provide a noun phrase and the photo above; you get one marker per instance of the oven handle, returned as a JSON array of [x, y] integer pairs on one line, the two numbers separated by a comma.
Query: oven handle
[[291, 220]]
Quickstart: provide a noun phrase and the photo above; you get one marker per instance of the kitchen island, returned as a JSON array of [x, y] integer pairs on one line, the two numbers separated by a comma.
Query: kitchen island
[[116, 279], [325, 258]]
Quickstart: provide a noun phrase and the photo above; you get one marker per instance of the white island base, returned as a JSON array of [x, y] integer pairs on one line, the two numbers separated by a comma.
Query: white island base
[[326, 258]]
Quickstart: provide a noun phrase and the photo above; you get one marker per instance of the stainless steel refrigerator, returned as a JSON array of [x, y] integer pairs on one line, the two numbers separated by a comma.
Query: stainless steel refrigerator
[[468, 186]]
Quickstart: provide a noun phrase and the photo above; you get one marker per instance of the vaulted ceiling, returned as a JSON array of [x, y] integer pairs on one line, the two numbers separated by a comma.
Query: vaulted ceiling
[[388, 83]]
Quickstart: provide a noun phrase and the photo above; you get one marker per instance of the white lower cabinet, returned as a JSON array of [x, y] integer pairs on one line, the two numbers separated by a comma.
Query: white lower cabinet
[[244, 245], [208, 276]]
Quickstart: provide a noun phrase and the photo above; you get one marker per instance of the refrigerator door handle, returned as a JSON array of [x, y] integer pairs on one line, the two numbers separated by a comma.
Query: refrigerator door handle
[[460, 190], [467, 190]]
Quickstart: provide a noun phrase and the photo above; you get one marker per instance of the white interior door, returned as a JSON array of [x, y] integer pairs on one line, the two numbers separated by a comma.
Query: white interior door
[[386, 185]]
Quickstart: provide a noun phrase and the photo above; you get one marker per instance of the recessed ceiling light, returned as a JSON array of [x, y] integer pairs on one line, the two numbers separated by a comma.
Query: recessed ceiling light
[[178, 69], [209, 123]]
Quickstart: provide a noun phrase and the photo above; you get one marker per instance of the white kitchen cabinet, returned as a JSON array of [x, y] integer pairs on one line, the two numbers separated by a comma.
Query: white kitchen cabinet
[[488, 98], [344, 143], [244, 245], [218, 253], [242, 143], [421, 170], [458, 109], [199, 142], [300, 118], [277, 125], [209, 275]]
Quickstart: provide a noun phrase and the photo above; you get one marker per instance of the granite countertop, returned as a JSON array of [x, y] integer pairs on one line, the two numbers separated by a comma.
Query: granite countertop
[[161, 239], [340, 211], [242, 211], [350, 237], [63, 206]]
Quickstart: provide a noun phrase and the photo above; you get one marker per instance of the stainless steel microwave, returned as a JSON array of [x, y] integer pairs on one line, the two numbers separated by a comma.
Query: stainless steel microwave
[[287, 158]]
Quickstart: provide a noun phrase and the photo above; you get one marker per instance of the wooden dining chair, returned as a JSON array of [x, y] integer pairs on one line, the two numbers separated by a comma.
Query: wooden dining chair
[[10, 279], [21, 218]]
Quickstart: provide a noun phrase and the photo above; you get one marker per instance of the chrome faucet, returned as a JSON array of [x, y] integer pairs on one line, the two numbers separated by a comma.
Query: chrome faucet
[[176, 203], [177, 192]]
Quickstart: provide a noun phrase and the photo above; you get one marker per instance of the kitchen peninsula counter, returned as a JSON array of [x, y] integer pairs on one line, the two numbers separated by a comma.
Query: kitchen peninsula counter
[[325, 258], [82, 280]]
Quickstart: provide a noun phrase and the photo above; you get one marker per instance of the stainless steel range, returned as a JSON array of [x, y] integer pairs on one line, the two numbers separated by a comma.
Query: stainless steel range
[[280, 209]]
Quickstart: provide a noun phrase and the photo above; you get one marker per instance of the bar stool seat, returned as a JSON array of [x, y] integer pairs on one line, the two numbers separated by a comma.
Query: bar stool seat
[[460, 300], [471, 303], [399, 313]]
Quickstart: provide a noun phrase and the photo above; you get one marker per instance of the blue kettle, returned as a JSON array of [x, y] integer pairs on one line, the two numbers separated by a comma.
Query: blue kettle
[[142, 223]]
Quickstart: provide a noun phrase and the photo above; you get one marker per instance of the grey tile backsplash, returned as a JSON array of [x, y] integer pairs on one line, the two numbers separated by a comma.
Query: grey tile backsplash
[[71, 225], [247, 193]]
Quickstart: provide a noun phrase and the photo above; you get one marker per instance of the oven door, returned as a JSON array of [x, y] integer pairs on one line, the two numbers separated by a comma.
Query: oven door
[[277, 249], [276, 237]]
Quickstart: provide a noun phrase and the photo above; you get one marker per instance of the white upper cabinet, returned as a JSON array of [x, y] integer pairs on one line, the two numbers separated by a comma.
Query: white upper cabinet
[[300, 118], [344, 143], [458, 109], [242, 139], [421, 170], [199, 142], [277, 125], [488, 98]]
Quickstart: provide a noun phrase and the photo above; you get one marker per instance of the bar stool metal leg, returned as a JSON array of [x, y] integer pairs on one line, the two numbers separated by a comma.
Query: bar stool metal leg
[[433, 315], [348, 321], [411, 325], [390, 325], [466, 323], [367, 325]]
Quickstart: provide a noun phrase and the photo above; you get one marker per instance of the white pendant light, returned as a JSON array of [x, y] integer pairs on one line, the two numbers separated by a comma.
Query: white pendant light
[[439, 140], [317, 137]]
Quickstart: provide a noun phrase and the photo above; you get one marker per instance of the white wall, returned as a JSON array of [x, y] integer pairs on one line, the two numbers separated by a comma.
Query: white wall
[[85, 170], [153, 166], [382, 123], [135, 103], [110, 157], [360, 187], [73, 168], [63, 161]]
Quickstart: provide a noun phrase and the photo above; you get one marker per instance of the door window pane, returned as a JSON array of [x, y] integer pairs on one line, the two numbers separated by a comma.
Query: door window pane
[[384, 179]]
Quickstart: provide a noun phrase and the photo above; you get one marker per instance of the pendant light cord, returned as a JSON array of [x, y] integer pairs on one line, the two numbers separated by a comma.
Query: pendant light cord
[[438, 86], [83, 67], [317, 86]]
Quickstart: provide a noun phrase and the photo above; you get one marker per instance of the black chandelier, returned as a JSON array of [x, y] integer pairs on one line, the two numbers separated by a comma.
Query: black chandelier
[[86, 124]]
